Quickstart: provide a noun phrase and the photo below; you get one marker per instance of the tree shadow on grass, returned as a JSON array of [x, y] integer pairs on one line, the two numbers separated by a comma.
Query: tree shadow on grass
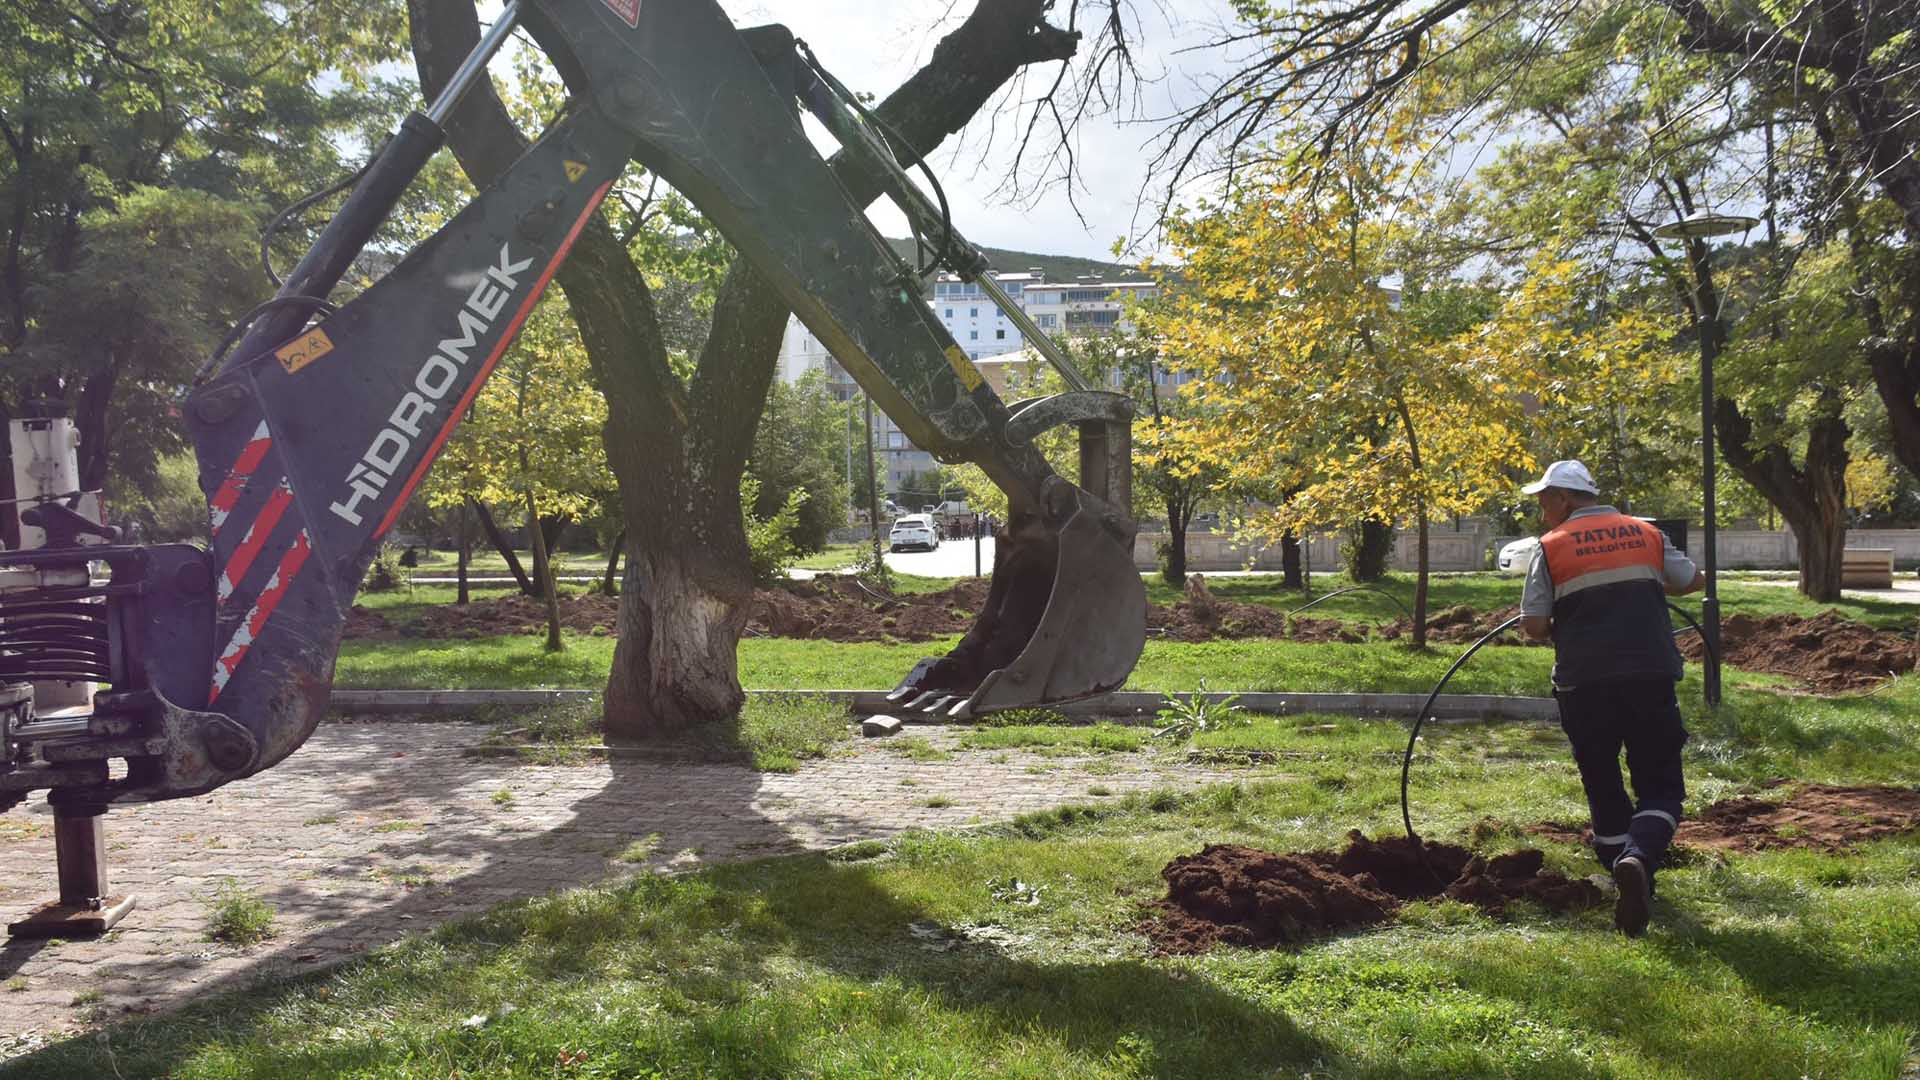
[[738, 932]]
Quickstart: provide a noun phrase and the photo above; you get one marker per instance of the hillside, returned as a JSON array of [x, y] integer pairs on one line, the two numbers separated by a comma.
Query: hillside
[[1056, 267]]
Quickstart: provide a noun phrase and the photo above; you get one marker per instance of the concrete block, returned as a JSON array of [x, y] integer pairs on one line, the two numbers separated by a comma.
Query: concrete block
[[880, 725]]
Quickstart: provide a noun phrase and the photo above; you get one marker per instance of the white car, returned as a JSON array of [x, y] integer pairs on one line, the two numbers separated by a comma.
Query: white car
[[1517, 556], [915, 531]]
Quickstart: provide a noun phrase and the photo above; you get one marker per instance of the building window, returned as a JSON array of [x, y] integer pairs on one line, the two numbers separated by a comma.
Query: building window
[[973, 355], [949, 313], [973, 312], [1049, 320], [973, 335], [1000, 335]]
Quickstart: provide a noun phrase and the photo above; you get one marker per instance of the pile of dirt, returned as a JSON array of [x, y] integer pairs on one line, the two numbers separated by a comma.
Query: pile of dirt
[[515, 614], [1234, 895], [1816, 816], [1203, 616], [1828, 652], [835, 607], [1461, 625], [839, 608]]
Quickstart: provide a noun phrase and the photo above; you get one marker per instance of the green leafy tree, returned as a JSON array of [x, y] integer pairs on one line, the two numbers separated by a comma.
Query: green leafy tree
[[140, 143], [801, 445]]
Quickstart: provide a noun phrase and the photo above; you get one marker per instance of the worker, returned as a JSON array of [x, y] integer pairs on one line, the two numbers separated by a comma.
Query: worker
[[1597, 587]]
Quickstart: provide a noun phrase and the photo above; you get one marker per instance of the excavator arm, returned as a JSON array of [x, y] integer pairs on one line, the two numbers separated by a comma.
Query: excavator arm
[[315, 428]]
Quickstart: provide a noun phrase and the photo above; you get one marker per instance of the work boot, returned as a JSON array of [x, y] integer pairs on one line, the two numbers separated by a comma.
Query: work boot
[[1633, 907]]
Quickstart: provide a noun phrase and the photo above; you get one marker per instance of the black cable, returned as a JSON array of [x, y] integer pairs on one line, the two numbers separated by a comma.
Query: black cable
[[280, 220], [1713, 655], [240, 328], [1401, 604], [1406, 761]]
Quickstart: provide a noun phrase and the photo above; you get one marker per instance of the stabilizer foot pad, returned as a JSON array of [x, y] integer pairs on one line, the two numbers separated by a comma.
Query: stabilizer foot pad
[[54, 919]]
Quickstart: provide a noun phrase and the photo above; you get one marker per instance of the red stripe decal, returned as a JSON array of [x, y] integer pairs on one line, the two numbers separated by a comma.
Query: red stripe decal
[[224, 499], [486, 369], [249, 630], [256, 538]]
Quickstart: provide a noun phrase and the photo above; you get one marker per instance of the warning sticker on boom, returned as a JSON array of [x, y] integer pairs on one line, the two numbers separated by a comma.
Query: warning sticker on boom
[[969, 375], [626, 9], [304, 350]]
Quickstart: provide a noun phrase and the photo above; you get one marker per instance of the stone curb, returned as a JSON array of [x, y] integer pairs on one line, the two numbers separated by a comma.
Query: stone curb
[[1122, 705]]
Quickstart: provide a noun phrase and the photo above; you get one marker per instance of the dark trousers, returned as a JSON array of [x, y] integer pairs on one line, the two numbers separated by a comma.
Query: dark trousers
[[1642, 715]]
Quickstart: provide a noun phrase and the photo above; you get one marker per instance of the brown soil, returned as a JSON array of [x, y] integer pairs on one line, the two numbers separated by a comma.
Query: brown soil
[[1234, 895], [1828, 652], [1816, 816], [1461, 625], [836, 608]]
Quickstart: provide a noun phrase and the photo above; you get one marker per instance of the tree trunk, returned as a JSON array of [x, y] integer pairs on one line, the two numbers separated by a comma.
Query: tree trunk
[[543, 569], [466, 553], [1367, 559], [678, 449], [500, 544], [1178, 516], [1290, 577], [1810, 497], [613, 565]]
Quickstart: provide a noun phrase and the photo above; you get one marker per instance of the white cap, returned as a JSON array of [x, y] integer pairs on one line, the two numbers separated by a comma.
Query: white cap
[[1564, 474]]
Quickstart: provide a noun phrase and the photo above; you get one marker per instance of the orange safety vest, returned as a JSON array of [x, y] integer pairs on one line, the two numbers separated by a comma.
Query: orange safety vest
[[1609, 601]]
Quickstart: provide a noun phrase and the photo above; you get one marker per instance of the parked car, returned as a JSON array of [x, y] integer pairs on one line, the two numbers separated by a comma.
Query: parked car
[[913, 531], [1517, 556]]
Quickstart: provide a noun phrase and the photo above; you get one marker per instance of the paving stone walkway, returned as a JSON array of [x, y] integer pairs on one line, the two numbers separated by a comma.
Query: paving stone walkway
[[375, 830]]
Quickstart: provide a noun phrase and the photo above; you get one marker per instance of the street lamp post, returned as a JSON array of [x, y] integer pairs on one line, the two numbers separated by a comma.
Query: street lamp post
[[1694, 229]]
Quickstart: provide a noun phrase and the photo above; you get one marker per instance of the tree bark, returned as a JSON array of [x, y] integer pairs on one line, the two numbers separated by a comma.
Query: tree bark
[[466, 553], [613, 564], [1367, 560], [677, 450], [500, 543], [1290, 577], [1811, 497], [543, 569], [1179, 514]]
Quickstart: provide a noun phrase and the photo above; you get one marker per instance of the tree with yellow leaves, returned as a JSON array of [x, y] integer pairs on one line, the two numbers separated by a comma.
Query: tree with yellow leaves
[[1373, 402], [533, 437]]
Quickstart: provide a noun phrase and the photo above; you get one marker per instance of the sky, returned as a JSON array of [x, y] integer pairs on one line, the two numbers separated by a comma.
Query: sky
[[873, 46]]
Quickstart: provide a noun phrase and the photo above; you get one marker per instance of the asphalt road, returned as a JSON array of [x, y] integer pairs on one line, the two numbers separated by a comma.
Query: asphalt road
[[953, 558]]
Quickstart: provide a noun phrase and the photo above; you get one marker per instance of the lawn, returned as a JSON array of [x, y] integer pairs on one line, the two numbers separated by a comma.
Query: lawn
[[900, 959]]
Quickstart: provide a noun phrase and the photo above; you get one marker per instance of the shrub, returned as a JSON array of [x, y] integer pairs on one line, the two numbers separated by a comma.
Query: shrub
[[770, 540], [386, 574]]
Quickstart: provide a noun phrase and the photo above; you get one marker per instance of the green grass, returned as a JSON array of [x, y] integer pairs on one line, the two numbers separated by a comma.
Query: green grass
[[237, 916], [898, 958], [833, 557]]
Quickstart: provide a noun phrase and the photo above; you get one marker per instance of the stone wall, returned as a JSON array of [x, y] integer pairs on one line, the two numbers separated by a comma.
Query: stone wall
[[1447, 550]]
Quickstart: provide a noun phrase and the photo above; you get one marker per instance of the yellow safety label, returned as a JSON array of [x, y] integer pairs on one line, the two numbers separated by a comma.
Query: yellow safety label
[[575, 170], [304, 349], [969, 375]]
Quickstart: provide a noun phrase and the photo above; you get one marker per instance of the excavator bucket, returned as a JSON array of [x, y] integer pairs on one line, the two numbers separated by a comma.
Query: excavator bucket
[[1065, 617]]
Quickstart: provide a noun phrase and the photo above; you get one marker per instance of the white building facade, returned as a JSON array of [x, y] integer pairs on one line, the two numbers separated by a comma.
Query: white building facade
[[981, 329]]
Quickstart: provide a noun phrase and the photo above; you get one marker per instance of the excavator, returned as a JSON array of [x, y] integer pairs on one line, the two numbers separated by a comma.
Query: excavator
[[313, 424]]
